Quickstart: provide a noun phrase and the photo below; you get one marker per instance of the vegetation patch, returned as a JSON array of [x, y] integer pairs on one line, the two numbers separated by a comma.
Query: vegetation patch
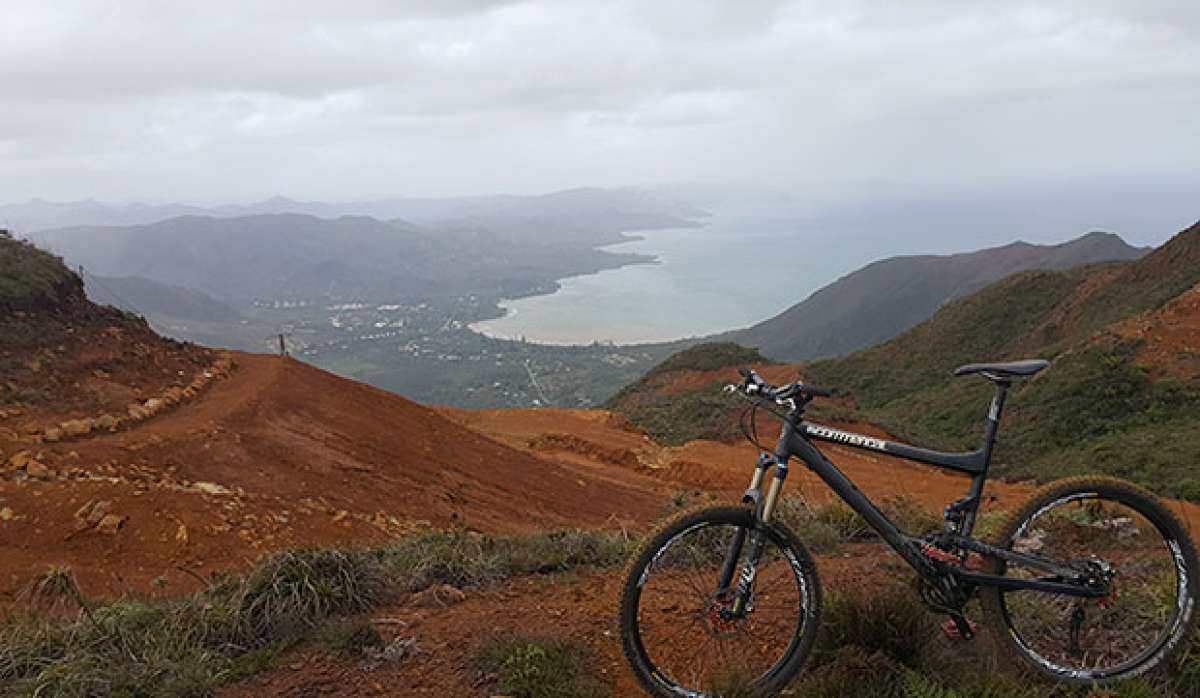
[[1094, 410], [28, 274], [881, 641], [539, 668], [823, 527], [699, 413], [238, 626]]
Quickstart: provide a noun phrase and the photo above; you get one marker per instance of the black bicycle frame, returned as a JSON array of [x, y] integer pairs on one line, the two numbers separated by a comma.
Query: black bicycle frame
[[796, 440]]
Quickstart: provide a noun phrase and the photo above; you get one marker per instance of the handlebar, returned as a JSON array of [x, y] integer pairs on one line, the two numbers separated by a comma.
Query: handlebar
[[753, 384]]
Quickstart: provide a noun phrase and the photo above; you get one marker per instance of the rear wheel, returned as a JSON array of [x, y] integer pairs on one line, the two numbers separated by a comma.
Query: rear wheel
[[679, 630], [1113, 530]]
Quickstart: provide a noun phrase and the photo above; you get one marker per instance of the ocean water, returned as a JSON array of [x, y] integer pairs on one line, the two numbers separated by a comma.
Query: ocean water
[[749, 262], [731, 273]]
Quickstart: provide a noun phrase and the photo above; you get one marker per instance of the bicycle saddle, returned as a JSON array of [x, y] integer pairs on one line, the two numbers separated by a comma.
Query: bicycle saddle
[[1005, 369]]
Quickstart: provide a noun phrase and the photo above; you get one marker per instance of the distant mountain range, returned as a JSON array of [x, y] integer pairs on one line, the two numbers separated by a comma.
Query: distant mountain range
[[571, 213], [885, 298], [493, 246]]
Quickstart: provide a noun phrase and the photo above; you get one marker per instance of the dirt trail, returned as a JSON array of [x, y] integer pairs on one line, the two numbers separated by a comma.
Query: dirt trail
[[711, 466], [281, 454]]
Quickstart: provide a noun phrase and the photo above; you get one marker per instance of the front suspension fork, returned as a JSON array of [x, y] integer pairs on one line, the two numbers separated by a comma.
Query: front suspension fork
[[749, 569]]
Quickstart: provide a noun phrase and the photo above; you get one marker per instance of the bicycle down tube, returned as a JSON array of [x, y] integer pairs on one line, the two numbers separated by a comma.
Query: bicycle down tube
[[796, 441]]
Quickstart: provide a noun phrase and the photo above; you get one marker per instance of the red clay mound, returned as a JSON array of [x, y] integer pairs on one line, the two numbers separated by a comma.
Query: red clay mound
[[280, 454], [1170, 336]]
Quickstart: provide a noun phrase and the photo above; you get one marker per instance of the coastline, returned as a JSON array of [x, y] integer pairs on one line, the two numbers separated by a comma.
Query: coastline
[[505, 304]]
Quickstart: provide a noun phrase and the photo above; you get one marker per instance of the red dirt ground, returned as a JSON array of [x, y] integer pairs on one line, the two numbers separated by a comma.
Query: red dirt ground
[[580, 608], [74, 359], [1170, 336], [306, 458], [279, 454]]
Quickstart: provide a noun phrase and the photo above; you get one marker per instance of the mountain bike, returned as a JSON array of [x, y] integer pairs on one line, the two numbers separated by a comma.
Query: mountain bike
[[1091, 581]]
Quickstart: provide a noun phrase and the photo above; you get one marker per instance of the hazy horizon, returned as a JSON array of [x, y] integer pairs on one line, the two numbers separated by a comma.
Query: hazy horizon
[[367, 100]]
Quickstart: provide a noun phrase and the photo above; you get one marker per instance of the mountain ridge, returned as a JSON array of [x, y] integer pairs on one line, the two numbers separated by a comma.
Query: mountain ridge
[[888, 296]]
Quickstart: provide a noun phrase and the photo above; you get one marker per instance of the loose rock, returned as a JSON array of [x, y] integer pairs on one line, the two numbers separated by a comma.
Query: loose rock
[[37, 471], [439, 596], [110, 524]]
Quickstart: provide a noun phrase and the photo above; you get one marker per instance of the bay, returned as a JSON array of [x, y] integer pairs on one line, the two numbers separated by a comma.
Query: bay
[[734, 271]]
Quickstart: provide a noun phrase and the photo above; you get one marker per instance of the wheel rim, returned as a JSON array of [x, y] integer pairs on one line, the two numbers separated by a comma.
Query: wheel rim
[[1092, 639], [685, 632]]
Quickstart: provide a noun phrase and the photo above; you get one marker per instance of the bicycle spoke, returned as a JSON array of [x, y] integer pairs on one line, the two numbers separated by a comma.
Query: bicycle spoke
[[1075, 634], [715, 642]]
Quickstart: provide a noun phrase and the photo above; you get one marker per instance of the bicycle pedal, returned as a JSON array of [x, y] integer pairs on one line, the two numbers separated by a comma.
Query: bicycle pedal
[[959, 628]]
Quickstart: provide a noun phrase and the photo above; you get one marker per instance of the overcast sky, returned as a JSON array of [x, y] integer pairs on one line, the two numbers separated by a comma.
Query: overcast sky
[[354, 99]]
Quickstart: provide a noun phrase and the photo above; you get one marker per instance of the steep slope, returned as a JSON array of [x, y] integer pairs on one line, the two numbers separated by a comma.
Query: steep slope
[[888, 297], [1110, 401], [63, 357], [293, 456], [122, 452], [680, 399]]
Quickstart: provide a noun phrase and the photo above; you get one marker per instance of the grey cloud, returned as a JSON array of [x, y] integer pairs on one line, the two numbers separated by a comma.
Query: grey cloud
[[238, 100]]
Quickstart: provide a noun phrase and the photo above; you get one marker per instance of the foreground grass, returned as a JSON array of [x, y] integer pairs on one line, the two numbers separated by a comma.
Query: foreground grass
[[882, 642], [876, 639], [192, 645]]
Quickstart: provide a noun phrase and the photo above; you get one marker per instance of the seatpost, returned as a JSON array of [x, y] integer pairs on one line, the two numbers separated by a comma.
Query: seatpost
[[970, 507], [993, 419]]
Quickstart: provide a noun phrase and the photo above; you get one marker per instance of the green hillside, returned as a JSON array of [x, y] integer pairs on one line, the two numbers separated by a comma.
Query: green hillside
[[700, 410], [29, 275], [1096, 409]]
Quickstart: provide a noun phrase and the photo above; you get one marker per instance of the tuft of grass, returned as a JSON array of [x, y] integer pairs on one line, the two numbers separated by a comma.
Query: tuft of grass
[[350, 637], [852, 672], [539, 668], [464, 559], [292, 591], [881, 619], [817, 535]]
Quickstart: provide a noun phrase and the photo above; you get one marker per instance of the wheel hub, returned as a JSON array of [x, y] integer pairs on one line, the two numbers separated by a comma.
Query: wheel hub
[[720, 620]]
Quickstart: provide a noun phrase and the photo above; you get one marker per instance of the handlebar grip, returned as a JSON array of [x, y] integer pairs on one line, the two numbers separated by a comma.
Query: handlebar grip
[[818, 391]]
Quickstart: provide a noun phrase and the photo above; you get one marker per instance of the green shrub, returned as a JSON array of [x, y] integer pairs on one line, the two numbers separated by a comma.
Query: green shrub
[[465, 559], [1189, 489], [539, 668]]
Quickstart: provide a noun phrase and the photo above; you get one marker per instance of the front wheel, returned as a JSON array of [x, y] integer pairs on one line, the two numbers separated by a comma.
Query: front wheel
[[687, 634], [1113, 531]]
